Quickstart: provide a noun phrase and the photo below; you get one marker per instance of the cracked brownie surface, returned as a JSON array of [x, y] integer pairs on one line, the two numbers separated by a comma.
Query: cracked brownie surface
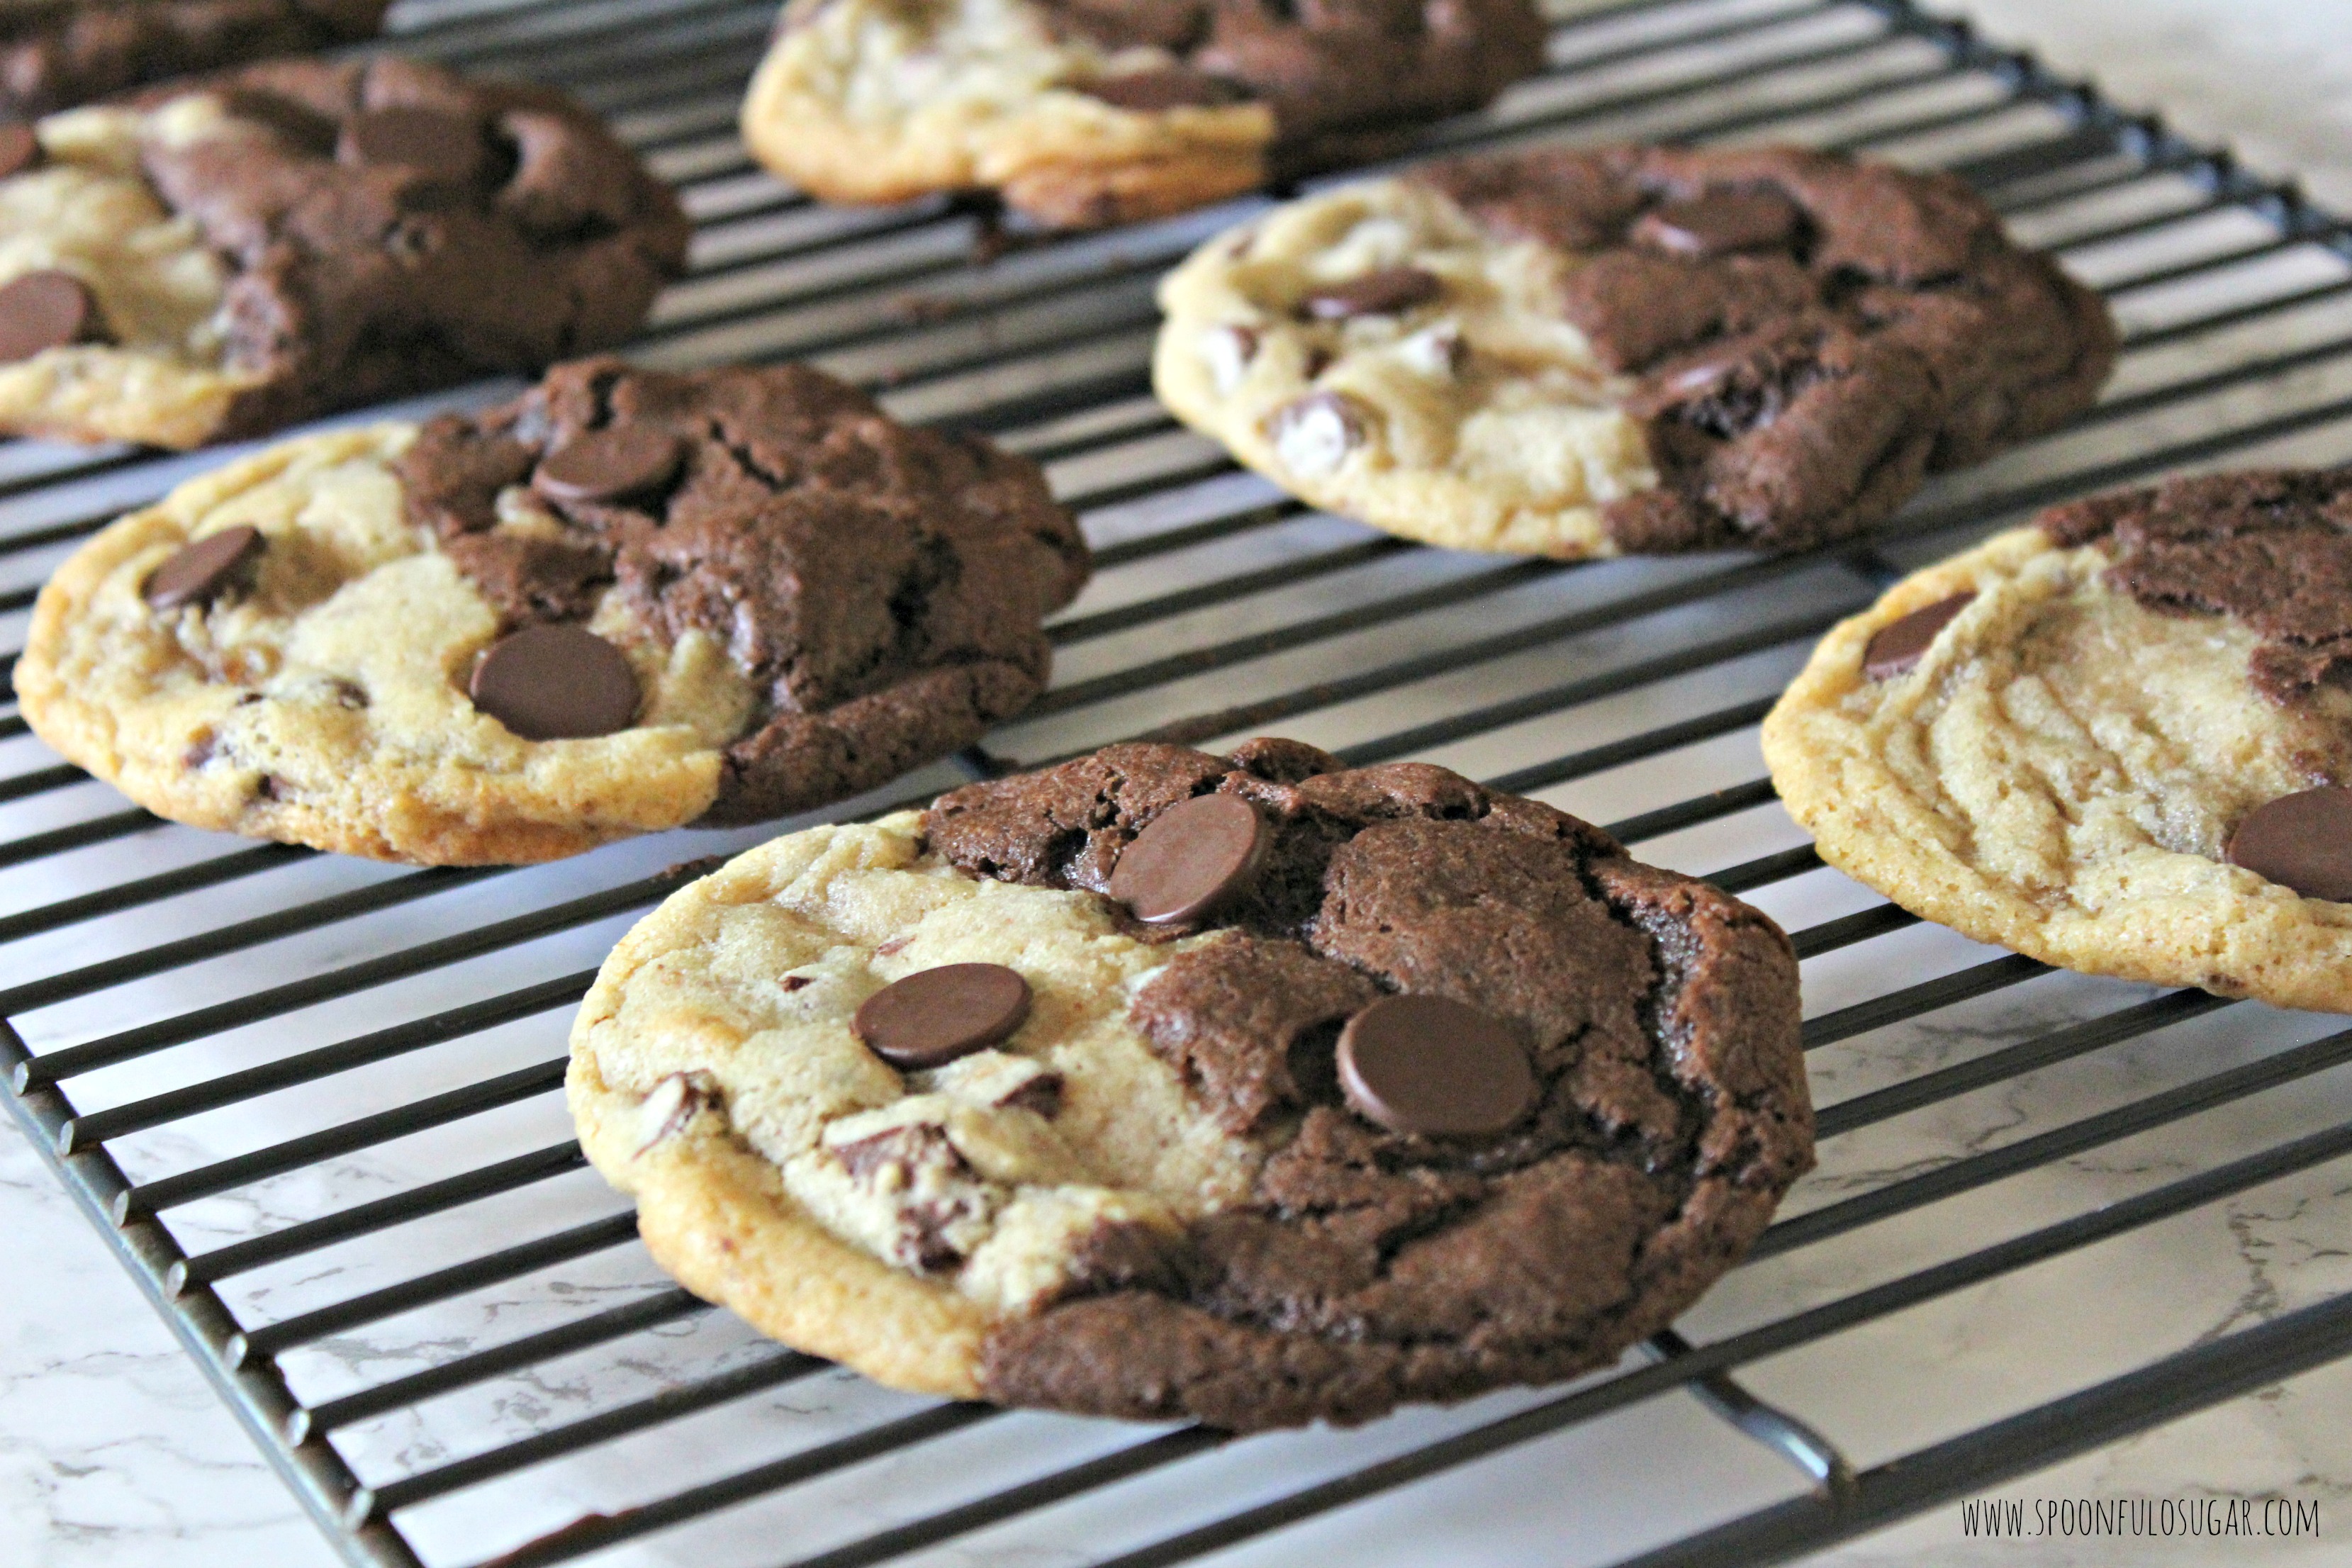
[[55, 54], [1576, 352], [2119, 740], [1155, 1198], [761, 595], [260, 246], [1092, 111]]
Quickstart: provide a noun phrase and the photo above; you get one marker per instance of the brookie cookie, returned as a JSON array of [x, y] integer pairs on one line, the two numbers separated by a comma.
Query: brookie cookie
[[1249, 1089], [55, 54], [2118, 741], [1082, 113], [627, 602], [1630, 350], [223, 258]]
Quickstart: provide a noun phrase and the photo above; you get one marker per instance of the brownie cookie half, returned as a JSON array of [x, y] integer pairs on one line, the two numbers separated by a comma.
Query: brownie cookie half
[[2119, 740], [1082, 112], [627, 602], [1248, 1089], [1630, 350], [223, 258], [55, 54]]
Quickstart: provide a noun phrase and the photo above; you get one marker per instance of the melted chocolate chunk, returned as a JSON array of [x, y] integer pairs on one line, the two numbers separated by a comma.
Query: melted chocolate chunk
[[1898, 646], [1808, 336], [1431, 1066], [556, 683], [2271, 548], [2302, 841], [1390, 291], [879, 587], [54, 56], [1662, 1112], [202, 570], [20, 149], [1193, 857], [427, 141], [45, 310], [934, 1017], [1158, 91], [389, 227], [1332, 67], [627, 461]]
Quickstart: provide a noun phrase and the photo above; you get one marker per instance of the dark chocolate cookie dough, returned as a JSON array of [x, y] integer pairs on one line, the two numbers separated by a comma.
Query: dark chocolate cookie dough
[[882, 587], [1326, 70], [55, 54], [1371, 1266], [2271, 548], [1810, 335]]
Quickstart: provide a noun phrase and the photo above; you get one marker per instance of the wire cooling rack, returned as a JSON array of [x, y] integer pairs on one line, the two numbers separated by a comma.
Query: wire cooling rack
[[315, 1104]]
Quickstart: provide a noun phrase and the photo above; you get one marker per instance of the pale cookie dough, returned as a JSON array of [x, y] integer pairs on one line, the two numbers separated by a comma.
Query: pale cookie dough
[[1082, 112], [1150, 1199], [321, 695], [301, 236], [1581, 353], [2063, 770]]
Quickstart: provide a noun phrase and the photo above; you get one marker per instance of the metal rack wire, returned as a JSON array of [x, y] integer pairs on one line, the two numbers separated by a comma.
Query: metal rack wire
[[315, 1105]]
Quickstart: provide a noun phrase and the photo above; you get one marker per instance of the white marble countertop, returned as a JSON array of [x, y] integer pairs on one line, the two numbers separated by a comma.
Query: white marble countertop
[[115, 1454]]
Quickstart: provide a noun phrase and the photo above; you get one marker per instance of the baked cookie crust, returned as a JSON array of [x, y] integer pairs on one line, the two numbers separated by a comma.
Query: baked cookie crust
[[1627, 350], [808, 598], [2063, 770], [1084, 113], [1150, 1200], [257, 249]]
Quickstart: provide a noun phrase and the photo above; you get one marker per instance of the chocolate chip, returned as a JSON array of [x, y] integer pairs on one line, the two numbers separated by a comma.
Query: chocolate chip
[[20, 149], [441, 145], [2302, 842], [1899, 644], [1432, 1065], [626, 461], [672, 1105], [1386, 292], [1314, 435], [935, 1015], [44, 309], [1041, 1094], [1157, 91], [200, 570], [1193, 857], [1720, 223], [556, 683]]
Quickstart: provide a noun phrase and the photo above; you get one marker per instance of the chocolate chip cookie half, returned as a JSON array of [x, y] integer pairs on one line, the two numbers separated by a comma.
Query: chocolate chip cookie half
[[1628, 349], [2119, 740], [628, 601], [55, 54], [1082, 112], [224, 256], [1250, 1089]]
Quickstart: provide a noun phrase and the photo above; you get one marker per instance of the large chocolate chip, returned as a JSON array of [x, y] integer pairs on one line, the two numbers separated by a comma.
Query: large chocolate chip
[[935, 1015], [626, 461], [1157, 91], [1193, 857], [45, 310], [556, 683], [1386, 292], [1432, 1064], [443, 146], [1721, 223], [201, 570], [20, 149], [2302, 842], [1899, 644]]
